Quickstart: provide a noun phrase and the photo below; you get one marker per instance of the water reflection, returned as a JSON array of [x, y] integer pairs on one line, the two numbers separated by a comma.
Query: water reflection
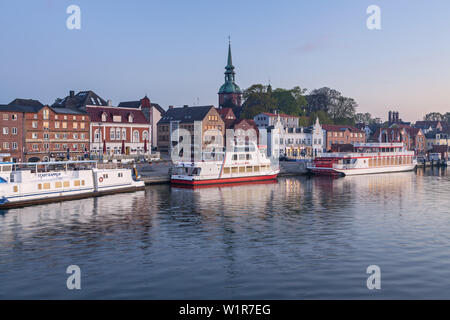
[[280, 240]]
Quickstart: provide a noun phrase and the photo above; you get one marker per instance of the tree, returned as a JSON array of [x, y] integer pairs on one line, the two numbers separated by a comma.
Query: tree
[[365, 118], [433, 116], [257, 100], [322, 99], [288, 103], [446, 117], [343, 111]]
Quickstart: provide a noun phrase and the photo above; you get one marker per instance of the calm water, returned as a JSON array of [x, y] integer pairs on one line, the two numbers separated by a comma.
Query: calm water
[[298, 238]]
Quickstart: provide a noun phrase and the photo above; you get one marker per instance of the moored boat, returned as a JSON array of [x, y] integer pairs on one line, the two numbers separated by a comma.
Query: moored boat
[[24, 184], [242, 165], [366, 158]]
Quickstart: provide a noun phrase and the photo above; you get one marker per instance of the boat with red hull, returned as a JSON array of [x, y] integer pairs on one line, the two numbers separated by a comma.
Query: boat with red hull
[[243, 165], [366, 158]]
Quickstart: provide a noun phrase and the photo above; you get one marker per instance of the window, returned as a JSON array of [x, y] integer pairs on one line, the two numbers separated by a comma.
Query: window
[[14, 117], [112, 134], [64, 125], [117, 134], [34, 135], [66, 184], [76, 183], [5, 130], [5, 145], [35, 116], [46, 136], [74, 118], [136, 136], [46, 114], [226, 170], [47, 185], [75, 136], [15, 189], [83, 136], [75, 125], [58, 184], [34, 124], [124, 134], [103, 117], [57, 135], [56, 125], [56, 117], [14, 145], [82, 125], [5, 116], [117, 118], [65, 117]]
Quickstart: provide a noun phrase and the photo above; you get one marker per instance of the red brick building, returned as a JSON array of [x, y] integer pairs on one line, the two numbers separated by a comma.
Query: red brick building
[[116, 131], [340, 134], [34, 132], [11, 134]]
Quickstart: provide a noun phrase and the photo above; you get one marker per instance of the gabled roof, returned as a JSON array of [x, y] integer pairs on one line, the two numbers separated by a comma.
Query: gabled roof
[[426, 124], [137, 104], [26, 102], [224, 112], [14, 108], [185, 114], [80, 100], [95, 113]]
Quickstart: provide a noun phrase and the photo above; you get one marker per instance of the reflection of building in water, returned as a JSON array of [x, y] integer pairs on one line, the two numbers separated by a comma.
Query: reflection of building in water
[[56, 218]]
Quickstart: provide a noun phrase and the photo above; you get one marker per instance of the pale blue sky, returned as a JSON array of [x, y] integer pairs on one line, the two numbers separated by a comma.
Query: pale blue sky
[[175, 51]]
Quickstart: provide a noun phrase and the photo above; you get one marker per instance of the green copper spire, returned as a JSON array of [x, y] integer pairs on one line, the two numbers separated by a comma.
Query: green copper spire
[[229, 86]]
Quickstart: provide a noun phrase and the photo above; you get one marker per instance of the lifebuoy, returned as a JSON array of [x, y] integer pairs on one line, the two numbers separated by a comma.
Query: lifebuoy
[[100, 179]]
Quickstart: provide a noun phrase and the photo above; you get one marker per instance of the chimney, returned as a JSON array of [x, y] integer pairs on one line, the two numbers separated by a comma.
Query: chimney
[[390, 117], [71, 93], [109, 103], [185, 106], [170, 107]]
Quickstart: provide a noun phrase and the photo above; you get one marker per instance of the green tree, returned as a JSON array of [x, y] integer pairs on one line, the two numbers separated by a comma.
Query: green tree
[[433, 116], [257, 100]]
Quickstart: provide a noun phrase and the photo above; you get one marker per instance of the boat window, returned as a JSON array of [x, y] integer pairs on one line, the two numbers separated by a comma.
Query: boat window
[[6, 168], [46, 185], [196, 171], [226, 170], [248, 156], [15, 189], [242, 157], [241, 169], [249, 169], [256, 168], [120, 174], [235, 157], [76, 183], [39, 186], [234, 170], [58, 184], [82, 182], [66, 184]]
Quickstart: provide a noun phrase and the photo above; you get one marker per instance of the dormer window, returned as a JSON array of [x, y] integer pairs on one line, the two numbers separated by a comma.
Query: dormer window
[[130, 118], [103, 117]]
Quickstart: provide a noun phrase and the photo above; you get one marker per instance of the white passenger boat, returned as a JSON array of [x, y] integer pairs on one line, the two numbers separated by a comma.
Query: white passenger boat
[[242, 165], [367, 158], [41, 182]]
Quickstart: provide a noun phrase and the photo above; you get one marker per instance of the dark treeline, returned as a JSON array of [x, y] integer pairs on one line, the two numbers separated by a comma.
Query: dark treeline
[[329, 105]]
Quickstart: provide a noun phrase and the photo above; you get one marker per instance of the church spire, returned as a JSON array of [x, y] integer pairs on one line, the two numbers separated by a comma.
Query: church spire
[[229, 62]]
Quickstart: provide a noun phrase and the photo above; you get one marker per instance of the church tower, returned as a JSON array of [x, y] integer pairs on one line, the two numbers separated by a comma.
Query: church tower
[[230, 94]]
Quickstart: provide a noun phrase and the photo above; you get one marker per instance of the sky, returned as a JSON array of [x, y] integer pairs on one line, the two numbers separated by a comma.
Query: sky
[[176, 51]]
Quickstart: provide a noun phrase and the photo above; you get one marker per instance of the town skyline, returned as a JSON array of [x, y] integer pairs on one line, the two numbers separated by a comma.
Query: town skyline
[[125, 59]]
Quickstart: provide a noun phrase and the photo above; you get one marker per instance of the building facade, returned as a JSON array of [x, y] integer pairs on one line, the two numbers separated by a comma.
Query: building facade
[[339, 134], [12, 129], [266, 120], [152, 112], [118, 131], [205, 117]]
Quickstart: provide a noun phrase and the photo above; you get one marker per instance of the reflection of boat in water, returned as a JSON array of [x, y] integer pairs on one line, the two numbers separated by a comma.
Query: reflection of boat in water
[[367, 158], [242, 165], [23, 184]]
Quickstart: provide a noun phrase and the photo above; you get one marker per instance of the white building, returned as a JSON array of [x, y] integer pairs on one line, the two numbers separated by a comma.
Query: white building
[[266, 120], [295, 142]]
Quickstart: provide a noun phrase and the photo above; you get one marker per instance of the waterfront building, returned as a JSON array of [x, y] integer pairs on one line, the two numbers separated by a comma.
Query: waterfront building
[[152, 112], [35, 132], [118, 131], [342, 134], [413, 138], [230, 95], [437, 138], [295, 142], [266, 120], [428, 126], [205, 117]]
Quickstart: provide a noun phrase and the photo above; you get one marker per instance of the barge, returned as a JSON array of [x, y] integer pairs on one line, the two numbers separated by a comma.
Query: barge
[[23, 184]]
